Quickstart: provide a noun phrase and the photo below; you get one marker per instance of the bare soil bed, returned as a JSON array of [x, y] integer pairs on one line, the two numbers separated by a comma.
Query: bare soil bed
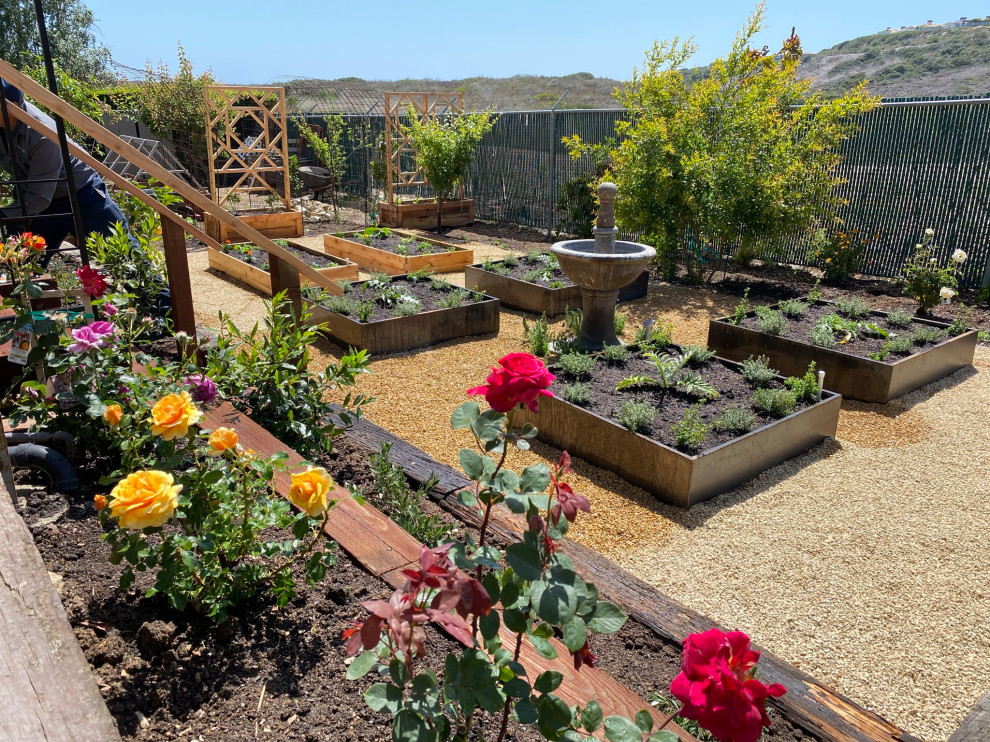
[[384, 239], [422, 290], [253, 255], [541, 269], [266, 673]]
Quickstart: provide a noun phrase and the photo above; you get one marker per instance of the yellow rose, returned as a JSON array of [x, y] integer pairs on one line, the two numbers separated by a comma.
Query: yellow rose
[[144, 499], [222, 439], [172, 415], [309, 490], [113, 415]]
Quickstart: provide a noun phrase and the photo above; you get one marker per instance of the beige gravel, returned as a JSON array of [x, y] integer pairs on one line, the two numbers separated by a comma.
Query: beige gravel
[[863, 563]]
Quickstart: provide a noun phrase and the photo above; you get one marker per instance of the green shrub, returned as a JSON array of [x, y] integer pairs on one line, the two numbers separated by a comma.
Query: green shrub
[[822, 336], [736, 419], [619, 323], [839, 257], [742, 308], [532, 276], [533, 256], [578, 392], [899, 318], [576, 364], [401, 504], [899, 345], [339, 304], [407, 306], [537, 336], [793, 308], [924, 335], [614, 354], [636, 416], [695, 355], [440, 284], [365, 309], [770, 321], [804, 387], [776, 402], [757, 371], [852, 306], [654, 335], [454, 298], [510, 261], [690, 431]]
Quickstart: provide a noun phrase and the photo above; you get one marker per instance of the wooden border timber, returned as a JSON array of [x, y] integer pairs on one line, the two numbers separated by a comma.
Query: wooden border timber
[[372, 258], [47, 689], [385, 549], [809, 703], [262, 280], [114, 143]]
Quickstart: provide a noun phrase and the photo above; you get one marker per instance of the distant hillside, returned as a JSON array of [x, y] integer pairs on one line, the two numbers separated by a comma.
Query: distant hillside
[[907, 64], [928, 62]]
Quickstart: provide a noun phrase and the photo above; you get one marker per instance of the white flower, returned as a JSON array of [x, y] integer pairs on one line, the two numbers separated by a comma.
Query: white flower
[[931, 260], [929, 232], [959, 256], [946, 293]]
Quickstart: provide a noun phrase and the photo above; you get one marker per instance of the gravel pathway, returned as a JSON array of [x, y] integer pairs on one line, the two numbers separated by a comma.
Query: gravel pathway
[[863, 562]]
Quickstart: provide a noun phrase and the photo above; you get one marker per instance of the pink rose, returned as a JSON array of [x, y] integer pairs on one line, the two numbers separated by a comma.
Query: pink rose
[[523, 379], [85, 339], [718, 689]]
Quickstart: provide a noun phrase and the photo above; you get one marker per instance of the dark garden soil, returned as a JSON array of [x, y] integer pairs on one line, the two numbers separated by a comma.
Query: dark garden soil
[[266, 673], [257, 257], [864, 341], [534, 270], [605, 401], [396, 244], [430, 298]]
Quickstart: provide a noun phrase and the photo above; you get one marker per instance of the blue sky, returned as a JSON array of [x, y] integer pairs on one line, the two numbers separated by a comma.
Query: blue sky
[[252, 42]]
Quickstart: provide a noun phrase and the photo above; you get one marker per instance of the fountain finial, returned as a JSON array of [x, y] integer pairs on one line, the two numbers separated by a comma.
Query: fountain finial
[[606, 211]]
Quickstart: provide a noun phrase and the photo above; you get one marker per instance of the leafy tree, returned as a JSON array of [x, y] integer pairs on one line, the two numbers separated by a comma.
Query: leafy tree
[[173, 107], [328, 151], [70, 34], [734, 162], [445, 147]]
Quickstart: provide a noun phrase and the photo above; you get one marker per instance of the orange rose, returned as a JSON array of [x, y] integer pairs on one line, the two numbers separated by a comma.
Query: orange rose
[[222, 439], [99, 502], [172, 415], [309, 490], [144, 499], [113, 414]]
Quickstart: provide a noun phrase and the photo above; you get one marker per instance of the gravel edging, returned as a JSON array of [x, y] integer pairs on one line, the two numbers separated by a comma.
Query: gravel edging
[[862, 562]]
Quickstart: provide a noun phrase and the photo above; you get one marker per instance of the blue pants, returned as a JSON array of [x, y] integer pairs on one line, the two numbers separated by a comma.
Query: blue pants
[[98, 211]]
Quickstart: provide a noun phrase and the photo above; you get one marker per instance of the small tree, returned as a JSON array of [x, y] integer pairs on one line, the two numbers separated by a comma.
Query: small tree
[[445, 147], [736, 161], [329, 151]]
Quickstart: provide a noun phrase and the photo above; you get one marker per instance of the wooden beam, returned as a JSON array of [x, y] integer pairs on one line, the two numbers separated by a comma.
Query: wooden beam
[[101, 135], [177, 265], [47, 690]]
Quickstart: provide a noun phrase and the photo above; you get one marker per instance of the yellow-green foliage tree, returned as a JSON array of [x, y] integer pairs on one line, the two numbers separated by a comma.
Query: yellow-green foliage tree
[[734, 162], [445, 147]]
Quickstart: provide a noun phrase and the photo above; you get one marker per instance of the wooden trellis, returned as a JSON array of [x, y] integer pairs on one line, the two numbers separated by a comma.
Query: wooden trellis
[[238, 154], [397, 144]]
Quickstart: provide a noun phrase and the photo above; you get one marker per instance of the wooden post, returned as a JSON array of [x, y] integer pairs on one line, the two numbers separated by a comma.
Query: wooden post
[[177, 264], [286, 278]]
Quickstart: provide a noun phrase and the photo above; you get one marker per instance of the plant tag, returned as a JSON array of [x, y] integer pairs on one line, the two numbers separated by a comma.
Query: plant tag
[[20, 345]]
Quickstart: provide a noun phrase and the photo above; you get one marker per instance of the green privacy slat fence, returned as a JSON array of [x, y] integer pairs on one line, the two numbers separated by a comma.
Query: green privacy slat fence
[[914, 164]]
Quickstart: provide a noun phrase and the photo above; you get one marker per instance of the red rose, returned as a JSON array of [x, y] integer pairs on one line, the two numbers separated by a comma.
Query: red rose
[[717, 688], [92, 281], [523, 379]]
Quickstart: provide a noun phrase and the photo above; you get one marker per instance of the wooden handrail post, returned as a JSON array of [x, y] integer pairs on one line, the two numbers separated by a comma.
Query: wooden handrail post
[[177, 265], [286, 278]]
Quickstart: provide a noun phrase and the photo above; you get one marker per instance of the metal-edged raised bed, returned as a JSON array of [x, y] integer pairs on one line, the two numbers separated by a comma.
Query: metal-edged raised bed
[[537, 298], [360, 247], [853, 376]]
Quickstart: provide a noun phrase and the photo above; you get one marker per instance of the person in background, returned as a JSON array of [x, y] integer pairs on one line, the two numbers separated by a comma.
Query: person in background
[[29, 155]]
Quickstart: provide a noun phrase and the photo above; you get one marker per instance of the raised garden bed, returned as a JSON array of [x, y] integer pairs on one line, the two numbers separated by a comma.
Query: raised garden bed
[[649, 458], [249, 263], [396, 252], [534, 284], [848, 369], [270, 224], [423, 214], [401, 313]]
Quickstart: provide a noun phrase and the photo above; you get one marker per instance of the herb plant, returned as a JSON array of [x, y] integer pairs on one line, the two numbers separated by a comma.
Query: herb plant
[[577, 392], [852, 306], [735, 419], [690, 431], [770, 321], [776, 402], [537, 336], [398, 501], [576, 364], [804, 387], [899, 318], [757, 371], [637, 416], [792, 308]]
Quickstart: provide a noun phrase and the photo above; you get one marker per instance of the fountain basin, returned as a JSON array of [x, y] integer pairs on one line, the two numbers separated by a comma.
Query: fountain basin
[[602, 271]]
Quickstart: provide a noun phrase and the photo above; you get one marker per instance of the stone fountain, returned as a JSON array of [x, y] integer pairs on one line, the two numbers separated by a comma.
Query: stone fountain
[[601, 267]]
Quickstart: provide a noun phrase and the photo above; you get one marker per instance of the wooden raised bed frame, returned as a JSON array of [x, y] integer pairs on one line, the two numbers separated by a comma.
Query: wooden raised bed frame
[[272, 225], [532, 297], [457, 212], [372, 259], [262, 280], [397, 334], [851, 376], [674, 477]]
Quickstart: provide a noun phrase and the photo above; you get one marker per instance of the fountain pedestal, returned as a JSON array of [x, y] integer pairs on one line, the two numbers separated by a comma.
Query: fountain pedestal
[[601, 266]]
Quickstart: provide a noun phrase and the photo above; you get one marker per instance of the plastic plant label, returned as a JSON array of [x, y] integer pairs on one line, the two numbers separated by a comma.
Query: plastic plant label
[[20, 345]]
